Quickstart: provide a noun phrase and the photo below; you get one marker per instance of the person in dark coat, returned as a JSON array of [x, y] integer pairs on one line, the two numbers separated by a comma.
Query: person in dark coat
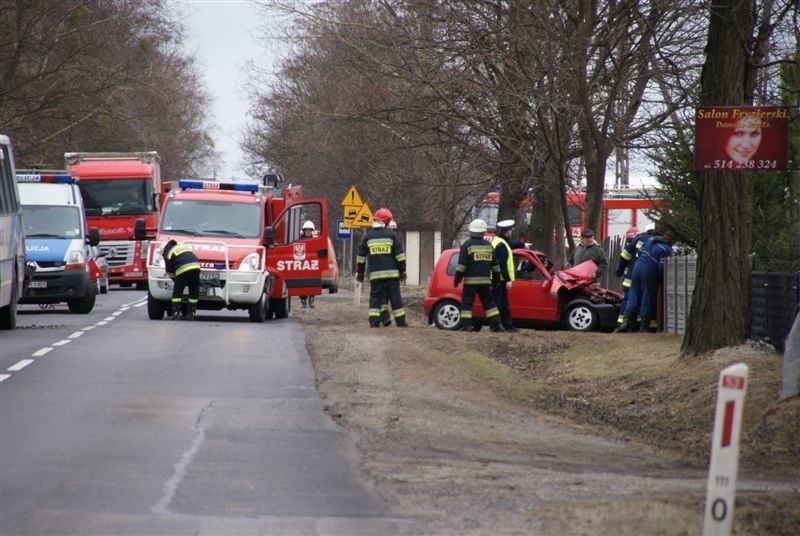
[[503, 249], [382, 250], [645, 280], [183, 268], [477, 265], [589, 249]]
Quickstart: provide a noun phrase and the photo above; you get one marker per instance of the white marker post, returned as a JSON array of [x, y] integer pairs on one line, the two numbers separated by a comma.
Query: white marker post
[[357, 293], [724, 468]]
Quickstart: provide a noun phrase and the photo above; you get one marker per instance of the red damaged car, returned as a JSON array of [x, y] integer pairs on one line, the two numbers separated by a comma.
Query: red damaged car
[[538, 298]]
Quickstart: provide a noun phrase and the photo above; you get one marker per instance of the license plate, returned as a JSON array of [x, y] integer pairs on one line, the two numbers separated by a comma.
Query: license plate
[[210, 277], [38, 284]]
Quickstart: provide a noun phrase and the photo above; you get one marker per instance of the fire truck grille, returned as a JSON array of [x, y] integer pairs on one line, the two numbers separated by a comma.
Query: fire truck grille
[[118, 253]]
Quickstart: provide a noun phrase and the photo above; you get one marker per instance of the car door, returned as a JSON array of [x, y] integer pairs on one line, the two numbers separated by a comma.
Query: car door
[[300, 261], [529, 297]]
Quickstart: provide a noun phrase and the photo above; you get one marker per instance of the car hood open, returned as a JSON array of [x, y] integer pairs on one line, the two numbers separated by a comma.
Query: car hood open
[[570, 278]]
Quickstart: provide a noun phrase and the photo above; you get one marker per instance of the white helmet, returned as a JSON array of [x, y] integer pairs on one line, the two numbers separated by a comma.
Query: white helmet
[[392, 225], [477, 227], [309, 225]]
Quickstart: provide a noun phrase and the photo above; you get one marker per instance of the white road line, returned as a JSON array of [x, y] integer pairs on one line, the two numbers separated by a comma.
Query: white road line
[[116, 313], [140, 304], [88, 328], [75, 335], [42, 351], [101, 323], [109, 318], [20, 365], [62, 342], [123, 308], [4, 376]]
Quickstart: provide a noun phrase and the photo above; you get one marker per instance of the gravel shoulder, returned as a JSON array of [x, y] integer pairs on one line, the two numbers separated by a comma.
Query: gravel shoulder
[[547, 432]]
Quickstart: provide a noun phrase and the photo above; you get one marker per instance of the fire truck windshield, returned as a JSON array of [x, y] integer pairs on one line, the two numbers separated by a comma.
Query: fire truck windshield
[[117, 196], [211, 218]]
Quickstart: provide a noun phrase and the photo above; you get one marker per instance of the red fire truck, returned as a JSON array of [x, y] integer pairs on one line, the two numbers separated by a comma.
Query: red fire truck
[[622, 208], [247, 237], [118, 189]]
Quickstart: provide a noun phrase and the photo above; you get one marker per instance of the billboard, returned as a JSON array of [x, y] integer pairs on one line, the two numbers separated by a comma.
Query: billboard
[[741, 138]]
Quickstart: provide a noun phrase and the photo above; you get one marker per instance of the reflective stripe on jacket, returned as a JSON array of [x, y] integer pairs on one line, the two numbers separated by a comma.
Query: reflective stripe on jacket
[[505, 258]]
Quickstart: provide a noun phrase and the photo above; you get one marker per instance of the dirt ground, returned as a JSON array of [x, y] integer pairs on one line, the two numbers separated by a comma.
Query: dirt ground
[[548, 432]]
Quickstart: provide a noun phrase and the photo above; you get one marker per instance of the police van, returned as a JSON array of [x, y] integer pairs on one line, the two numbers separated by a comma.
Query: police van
[[57, 243]]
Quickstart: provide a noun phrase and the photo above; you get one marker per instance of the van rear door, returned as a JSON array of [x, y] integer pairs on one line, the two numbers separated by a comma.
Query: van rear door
[[300, 261]]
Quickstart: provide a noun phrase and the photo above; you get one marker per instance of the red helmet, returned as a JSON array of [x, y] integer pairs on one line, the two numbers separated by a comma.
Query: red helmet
[[383, 215], [631, 232]]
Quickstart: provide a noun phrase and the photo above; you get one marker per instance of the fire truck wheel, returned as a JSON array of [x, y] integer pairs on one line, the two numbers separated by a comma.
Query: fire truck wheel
[[155, 308], [84, 306], [281, 307], [258, 311]]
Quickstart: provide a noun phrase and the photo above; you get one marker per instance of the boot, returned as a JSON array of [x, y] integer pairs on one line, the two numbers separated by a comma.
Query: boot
[[311, 301], [304, 301], [644, 325], [192, 310], [626, 324], [175, 310], [496, 328], [399, 321]]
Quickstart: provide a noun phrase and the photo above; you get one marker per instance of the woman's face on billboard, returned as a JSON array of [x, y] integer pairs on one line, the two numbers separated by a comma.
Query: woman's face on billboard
[[744, 142]]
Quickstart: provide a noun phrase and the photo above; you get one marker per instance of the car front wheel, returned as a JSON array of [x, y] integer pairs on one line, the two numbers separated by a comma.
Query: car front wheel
[[581, 317], [447, 315]]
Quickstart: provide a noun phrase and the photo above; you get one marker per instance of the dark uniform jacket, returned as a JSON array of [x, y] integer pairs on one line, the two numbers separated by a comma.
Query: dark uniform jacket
[[594, 252], [477, 263], [385, 252], [179, 259], [627, 259]]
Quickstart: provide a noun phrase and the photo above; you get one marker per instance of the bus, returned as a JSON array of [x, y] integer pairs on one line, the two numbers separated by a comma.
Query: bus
[[12, 239]]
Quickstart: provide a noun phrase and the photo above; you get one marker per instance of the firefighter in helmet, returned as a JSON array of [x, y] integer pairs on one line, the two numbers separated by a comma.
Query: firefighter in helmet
[[477, 265], [386, 318], [183, 268], [308, 231], [624, 269], [382, 250]]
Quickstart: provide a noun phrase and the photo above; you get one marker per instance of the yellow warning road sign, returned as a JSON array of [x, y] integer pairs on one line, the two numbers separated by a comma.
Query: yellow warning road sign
[[363, 217], [351, 198]]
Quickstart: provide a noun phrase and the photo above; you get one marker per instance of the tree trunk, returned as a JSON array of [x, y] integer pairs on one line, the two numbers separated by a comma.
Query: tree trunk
[[719, 310]]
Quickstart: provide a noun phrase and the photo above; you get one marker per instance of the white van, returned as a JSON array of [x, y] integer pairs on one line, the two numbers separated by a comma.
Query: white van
[[12, 241], [57, 243]]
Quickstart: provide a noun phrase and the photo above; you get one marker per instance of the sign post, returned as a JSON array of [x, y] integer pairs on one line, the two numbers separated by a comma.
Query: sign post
[[724, 467]]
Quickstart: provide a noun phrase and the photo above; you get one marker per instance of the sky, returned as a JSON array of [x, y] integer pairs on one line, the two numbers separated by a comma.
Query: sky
[[223, 37]]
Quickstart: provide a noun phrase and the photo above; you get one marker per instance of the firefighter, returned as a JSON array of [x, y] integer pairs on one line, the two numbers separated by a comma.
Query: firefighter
[[503, 246], [645, 279], [183, 268], [382, 250], [477, 266], [386, 318], [627, 262], [308, 231], [624, 268]]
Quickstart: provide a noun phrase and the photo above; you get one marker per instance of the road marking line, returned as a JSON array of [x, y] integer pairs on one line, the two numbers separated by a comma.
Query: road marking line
[[109, 318], [42, 351], [4, 376], [62, 342], [20, 365], [140, 304], [75, 335], [88, 328], [101, 323], [123, 309], [116, 313]]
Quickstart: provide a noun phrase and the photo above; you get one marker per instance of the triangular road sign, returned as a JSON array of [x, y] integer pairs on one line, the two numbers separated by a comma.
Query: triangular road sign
[[364, 217], [351, 198]]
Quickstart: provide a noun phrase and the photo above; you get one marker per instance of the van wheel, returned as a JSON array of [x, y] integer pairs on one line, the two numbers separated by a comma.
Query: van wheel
[[8, 314], [84, 306], [258, 311], [156, 308], [281, 307]]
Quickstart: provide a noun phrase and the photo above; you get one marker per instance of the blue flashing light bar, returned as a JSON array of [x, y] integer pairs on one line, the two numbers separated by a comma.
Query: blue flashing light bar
[[214, 185], [51, 179]]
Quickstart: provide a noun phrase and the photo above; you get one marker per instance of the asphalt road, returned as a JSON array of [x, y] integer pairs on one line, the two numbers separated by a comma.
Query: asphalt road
[[111, 423]]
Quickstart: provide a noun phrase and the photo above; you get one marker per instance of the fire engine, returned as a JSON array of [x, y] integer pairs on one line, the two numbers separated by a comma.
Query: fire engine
[[622, 208], [247, 237], [118, 189]]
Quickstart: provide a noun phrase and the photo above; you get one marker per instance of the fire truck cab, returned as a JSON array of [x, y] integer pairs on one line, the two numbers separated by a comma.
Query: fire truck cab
[[248, 240]]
